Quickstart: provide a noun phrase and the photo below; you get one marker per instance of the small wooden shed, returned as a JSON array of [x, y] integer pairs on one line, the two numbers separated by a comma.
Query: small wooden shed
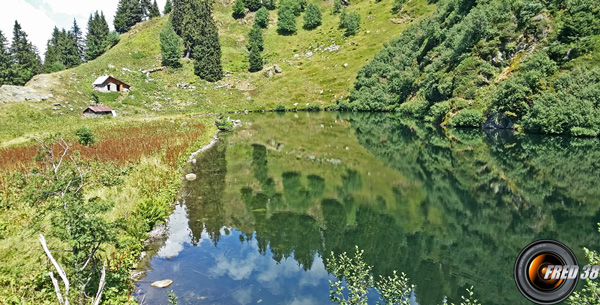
[[98, 111], [107, 83]]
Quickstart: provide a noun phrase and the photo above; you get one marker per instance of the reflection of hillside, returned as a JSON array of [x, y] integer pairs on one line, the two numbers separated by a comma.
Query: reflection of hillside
[[441, 206]]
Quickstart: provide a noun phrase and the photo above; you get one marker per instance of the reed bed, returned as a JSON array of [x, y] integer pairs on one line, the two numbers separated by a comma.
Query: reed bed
[[119, 145]]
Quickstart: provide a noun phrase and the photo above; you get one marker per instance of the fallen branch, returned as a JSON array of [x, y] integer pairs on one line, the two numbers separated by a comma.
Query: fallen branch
[[154, 70], [60, 271]]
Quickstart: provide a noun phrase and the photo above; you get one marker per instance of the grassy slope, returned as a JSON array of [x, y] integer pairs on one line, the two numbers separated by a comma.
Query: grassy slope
[[301, 82]]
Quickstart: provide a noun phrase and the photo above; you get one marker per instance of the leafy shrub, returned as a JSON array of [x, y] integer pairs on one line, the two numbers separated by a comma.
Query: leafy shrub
[[350, 22], [280, 107], [224, 124], [85, 136], [337, 7], [398, 4], [312, 17], [467, 118], [437, 112], [153, 211], [262, 18], [313, 108]]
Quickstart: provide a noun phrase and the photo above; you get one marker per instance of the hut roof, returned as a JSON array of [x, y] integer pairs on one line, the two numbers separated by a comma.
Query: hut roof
[[108, 78], [100, 109]]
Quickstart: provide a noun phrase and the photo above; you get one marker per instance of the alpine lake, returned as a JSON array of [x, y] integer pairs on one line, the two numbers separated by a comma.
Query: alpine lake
[[451, 208]]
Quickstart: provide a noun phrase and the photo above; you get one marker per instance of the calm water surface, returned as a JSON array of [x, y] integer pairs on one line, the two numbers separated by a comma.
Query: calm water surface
[[450, 208]]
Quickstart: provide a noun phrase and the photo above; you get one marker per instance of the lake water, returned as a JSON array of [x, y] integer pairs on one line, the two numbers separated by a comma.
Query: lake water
[[450, 208]]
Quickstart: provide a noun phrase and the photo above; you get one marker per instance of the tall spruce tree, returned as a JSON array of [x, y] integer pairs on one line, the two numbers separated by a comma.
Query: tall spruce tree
[[78, 37], [69, 52], [154, 10], [146, 6], [168, 7], [5, 61], [270, 4], [262, 17], [97, 35], [255, 38], [129, 12], [207, 49], [26, 60], [52, 61], [170, 46], [180, 9], [239, 9], [255, 59]]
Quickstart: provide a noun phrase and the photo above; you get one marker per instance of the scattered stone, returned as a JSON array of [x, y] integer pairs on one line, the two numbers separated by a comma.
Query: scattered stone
[[246, 111], [498, 121], [280, 146], [111, 66], [309, 54], [193, 161], [345, 65], [296, 55], [270, 74], [162, 284], [332, 48], [248, 98], [184, 123], [277, 69], [9, 93], [190, 177]]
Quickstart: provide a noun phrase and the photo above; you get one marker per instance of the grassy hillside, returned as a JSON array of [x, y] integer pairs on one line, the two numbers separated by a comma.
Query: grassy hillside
[[302, 80], [532, 62]]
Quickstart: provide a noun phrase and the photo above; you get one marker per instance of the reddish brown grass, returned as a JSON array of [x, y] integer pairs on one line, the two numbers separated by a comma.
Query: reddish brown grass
[[119, 145]]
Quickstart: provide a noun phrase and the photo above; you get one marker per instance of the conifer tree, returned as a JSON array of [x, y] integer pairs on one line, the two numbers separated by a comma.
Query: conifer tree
[[180, 9], [239, 9], [168, 7], [255, 38], [207, 49], [97, 35], [69, 52], [129, 12], [255, 59], [5, 61], [337, 7], [269, 4], [26, 60], [170, 46], [312, 17], [154, 10], [78, 37], [51, 58], [146, 6], [286, 25], [262, 18], [253, 5]]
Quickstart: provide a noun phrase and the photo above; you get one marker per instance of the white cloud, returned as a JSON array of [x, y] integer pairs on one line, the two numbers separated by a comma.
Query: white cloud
[[39, 17]]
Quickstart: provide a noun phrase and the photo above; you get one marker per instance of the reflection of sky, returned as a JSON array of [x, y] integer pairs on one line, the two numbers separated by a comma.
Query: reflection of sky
[[233, 272]]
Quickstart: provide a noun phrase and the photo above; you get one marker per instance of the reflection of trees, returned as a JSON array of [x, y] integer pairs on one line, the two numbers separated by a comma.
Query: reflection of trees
[[203, 195], [477, 200]]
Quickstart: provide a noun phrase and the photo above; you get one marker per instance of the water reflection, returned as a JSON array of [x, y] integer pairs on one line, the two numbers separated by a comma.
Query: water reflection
[[451, 208]]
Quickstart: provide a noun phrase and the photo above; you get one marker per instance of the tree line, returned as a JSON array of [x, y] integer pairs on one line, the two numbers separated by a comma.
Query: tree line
[[20, 60]]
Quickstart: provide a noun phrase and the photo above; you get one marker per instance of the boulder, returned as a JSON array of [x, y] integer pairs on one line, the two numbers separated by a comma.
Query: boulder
[[162, 284], [498, 121], [277, 69], [190, 177]]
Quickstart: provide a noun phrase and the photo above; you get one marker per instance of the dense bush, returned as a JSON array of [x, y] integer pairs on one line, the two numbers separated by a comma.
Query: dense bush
[[286, 24], [467, 118], [85, 136], [437, 112], [312, 17], [350, 22]]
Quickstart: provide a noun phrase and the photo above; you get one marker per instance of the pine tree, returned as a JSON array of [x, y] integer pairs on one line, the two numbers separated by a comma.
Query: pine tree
[[286, 25], [146, 7], [5, 61], [170, 46], [239, 9], [312, 17], [255, 59], [154, 10], [207, 49], [78, 37], [168, 7], [253, 5], [26, 60], [129, 12], [262, 18], [180, 9], [69, 52], [52, 61], [270, 4], [295, 6], [97, 35], [255, 38]]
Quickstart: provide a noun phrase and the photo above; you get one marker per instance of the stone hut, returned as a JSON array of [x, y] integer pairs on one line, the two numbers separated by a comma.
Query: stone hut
[[107, 83], [98, 111]]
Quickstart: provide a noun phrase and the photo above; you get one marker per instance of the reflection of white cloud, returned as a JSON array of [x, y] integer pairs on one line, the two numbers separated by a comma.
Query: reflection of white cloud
[[243, 296], [305, 301], [179, 233], [236, 267], [313, 276]]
